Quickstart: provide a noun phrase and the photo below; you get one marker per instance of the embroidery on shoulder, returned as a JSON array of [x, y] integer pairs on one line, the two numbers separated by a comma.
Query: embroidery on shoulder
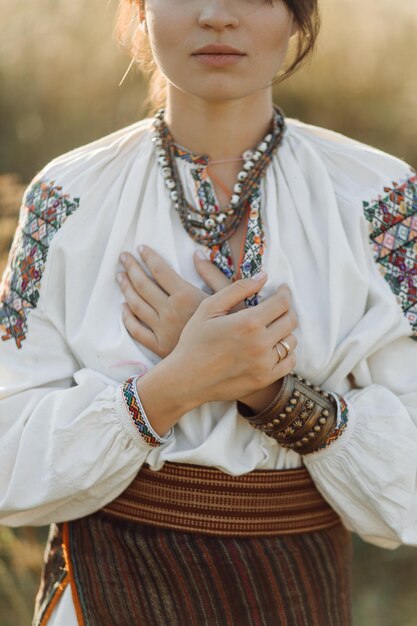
[[44, 210], [393, 232]]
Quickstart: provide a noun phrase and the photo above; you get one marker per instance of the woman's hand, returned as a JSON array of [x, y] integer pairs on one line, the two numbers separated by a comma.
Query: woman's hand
[[155, 313], [224, 355], [157, 310]]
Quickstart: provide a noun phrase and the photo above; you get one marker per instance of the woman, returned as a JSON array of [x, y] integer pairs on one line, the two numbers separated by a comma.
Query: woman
[[202, 454]]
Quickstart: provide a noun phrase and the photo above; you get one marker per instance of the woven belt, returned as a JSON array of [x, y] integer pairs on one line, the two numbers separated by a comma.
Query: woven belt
[[200, 499]]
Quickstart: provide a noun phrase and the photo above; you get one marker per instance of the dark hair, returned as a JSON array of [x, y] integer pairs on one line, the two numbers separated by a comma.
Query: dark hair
[[306, 13]]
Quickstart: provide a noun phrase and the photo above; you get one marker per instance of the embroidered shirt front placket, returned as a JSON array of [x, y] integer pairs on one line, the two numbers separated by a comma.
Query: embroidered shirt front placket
[[254, 244]]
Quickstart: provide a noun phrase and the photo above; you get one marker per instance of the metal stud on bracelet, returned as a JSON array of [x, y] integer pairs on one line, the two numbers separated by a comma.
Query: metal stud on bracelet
[[300, 416]]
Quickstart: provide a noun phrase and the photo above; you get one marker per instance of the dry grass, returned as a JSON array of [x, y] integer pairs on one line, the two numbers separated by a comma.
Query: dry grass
[[21, 553], [60, 69], [11, 191]]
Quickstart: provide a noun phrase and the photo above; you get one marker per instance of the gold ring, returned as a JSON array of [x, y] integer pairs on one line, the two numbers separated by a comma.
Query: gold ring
[[279, 353], [286, 346]]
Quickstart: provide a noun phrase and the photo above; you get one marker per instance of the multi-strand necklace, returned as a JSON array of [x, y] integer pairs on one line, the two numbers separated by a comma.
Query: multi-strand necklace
[[212, 225]]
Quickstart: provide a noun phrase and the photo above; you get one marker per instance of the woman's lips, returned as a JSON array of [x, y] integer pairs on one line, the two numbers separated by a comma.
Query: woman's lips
[[218, 60]]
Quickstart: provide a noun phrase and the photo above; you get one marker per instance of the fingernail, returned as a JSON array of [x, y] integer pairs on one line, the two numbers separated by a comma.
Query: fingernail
[[123, 258], [141, 249], [119, 277], [201, 255], [259, 276]]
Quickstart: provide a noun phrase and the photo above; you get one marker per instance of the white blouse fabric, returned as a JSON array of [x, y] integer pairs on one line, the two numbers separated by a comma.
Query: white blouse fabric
[[68, 445]]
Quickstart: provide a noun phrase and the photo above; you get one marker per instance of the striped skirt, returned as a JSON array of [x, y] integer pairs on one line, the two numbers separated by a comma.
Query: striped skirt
[[125, 573], [183, 579]]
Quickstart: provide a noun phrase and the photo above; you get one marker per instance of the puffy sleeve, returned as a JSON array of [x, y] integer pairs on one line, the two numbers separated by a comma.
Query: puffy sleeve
[[369, 473], [71, 438]]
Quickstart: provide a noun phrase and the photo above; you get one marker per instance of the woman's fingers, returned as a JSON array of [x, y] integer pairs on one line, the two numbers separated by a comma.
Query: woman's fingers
[[283, 326], [142, 283], [223, 301], [137, 304], [280, 349], [267, 311], [282, 329], [284, 366], [143, 335], [162, 272], [212, 276], [275, 306]]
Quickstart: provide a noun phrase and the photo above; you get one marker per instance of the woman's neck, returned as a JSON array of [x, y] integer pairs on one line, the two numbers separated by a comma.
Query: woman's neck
[[222, 130]]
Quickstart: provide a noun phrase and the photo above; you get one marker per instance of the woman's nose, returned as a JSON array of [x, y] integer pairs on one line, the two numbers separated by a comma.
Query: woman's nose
[[219, 14]]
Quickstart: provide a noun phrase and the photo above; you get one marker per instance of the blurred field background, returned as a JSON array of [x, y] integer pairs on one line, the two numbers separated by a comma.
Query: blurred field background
[[59, 75]]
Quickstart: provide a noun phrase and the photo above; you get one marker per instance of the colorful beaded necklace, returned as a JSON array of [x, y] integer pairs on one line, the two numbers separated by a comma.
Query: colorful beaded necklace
[[210, 225]]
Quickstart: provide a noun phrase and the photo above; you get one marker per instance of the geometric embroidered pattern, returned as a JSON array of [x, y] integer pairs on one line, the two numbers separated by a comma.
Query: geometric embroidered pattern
[[254, 246], [44, 210], [138, 415], [341, 425], [393, 232], [254, 241]]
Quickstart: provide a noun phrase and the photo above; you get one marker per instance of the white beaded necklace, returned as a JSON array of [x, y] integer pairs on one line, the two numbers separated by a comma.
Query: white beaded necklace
[[213, 227]]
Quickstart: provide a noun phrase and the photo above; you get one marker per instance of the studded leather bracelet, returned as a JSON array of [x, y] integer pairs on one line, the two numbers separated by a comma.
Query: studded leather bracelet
[[300, 417]]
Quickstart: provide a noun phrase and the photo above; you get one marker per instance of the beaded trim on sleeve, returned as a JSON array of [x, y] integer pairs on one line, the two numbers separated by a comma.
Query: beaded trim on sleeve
[[341, 425], [138, 415]]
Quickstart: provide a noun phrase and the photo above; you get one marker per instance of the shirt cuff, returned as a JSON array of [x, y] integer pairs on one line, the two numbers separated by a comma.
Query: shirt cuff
[[134, 419], [340, 426]]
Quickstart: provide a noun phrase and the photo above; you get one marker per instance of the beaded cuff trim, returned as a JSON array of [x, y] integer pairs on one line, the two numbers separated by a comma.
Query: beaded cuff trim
[[393, 232], [341, 424], [138, 415], [44, 210]]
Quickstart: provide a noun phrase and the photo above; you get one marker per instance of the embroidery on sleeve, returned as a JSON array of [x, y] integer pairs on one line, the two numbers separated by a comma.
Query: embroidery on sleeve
[[393, 232], [44, 210], [341, 425], [138, 415]]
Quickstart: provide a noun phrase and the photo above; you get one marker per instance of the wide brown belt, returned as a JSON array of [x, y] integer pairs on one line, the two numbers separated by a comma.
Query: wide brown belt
[[200, 499]]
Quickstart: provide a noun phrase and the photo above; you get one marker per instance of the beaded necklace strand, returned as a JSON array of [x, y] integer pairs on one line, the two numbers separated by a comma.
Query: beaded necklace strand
[[253, 244], [212, 226]]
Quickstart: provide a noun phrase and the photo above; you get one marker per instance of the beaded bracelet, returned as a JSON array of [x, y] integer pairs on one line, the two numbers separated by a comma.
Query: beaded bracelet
[[300, 417]]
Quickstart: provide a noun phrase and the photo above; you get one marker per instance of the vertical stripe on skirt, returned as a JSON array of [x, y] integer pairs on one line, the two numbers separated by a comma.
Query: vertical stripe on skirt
[[135, 574]]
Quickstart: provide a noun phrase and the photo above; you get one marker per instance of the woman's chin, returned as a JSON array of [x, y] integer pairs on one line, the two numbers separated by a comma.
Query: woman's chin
[[218, 90]]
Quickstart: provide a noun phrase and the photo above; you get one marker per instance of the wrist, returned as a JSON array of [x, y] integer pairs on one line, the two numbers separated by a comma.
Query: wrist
[[256, 402], [300, 417], [165, 394]]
